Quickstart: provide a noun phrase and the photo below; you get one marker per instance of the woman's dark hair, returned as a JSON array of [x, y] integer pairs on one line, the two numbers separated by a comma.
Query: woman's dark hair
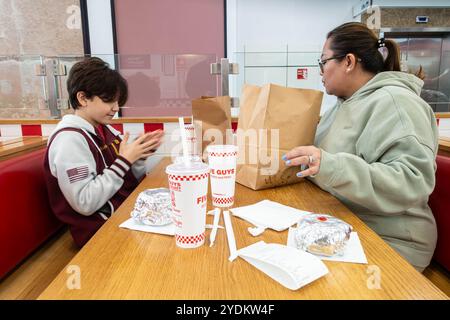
[[94, 77], [357, 38]]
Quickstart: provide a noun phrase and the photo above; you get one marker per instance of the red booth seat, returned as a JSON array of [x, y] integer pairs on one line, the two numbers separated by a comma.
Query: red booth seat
[[440, 205], [26, 219]]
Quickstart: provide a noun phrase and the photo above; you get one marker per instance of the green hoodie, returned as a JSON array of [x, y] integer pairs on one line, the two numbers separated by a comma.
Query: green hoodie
[[378, 157]]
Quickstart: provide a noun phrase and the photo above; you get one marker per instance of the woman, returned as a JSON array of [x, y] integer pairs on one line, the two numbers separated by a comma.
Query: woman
[[375, 149]]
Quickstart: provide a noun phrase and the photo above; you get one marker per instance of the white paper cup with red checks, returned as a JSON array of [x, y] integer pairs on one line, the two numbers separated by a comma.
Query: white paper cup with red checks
[[191, 140], [222, 162], [188, 191]]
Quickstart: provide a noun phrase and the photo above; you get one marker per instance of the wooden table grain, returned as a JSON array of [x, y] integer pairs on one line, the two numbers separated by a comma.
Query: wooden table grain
[[444, 146], [123, 264], [21, 145]]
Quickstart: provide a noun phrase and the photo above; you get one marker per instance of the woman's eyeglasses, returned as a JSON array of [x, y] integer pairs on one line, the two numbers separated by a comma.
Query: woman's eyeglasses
[[322, 62]]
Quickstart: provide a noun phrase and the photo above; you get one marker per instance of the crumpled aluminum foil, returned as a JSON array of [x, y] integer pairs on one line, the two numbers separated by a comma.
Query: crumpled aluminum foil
[[322, 234], [153, 207]]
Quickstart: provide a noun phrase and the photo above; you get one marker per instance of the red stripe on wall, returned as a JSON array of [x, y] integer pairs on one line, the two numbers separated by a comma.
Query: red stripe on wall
[[31, 130], [118, 127], [153, 126]]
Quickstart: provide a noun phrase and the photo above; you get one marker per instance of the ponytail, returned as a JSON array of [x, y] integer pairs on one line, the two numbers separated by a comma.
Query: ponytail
[[376, 55], [392, 62]]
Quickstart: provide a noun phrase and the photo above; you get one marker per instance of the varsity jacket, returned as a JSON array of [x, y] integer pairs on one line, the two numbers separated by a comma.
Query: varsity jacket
[[86, 177]]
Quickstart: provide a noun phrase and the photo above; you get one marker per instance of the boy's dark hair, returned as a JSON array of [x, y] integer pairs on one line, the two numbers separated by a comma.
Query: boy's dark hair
[[94, 77]]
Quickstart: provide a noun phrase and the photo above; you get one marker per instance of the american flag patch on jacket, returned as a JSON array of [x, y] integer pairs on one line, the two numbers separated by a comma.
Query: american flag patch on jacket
[[78, 173]]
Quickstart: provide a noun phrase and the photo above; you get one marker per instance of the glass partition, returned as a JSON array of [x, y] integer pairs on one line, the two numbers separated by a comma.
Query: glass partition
[[163, 85], [23, 87], [300, 70], [291, 69], [432, 54], [160, 85]]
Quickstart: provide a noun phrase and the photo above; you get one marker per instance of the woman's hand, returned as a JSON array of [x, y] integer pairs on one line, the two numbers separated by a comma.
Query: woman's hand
[[144, 146], [305, 155]]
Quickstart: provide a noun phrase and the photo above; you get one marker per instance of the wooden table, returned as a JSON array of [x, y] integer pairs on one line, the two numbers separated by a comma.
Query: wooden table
[[123, 264], [18, 146], [444, 146]]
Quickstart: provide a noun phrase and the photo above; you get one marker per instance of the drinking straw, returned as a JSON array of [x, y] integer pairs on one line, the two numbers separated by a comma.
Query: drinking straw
[[195, 136], [184, 141], [230, 235], [212, 235]]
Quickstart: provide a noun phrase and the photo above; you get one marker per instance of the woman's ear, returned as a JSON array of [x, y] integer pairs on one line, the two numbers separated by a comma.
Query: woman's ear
[[350, 62], [81, 97]]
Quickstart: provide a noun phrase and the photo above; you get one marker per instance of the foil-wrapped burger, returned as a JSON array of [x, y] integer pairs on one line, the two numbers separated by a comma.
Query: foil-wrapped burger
[[153, 207], [322, 234]]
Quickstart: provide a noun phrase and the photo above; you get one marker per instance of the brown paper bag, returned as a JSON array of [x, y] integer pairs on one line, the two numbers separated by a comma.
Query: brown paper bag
[[212, 120], [272, 121]]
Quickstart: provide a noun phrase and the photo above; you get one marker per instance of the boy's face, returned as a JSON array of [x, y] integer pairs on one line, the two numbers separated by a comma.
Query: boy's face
[[96, 111]]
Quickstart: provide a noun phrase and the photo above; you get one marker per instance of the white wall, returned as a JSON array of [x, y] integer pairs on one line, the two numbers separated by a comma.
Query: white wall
[[273, 24], [288, 25], [278, 26], [100, 30]]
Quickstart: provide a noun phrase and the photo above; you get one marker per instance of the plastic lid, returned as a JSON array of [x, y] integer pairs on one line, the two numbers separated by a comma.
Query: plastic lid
[[192, 169]]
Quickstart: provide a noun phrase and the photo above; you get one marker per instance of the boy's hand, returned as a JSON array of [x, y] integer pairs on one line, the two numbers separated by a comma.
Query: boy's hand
[[144, 146], [152, 135], [157, 134]]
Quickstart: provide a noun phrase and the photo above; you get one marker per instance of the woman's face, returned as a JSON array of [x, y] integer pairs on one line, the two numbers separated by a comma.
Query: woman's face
[[333, 74]]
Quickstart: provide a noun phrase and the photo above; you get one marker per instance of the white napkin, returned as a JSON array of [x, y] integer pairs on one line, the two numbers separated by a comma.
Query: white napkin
[[269, 214], [353, 251], [290, 267], [168, 229]]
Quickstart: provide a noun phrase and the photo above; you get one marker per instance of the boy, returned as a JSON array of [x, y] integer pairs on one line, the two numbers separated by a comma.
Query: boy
[[89, 170]]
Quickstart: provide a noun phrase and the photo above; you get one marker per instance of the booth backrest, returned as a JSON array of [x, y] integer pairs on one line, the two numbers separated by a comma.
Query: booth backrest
[[26, 219], [440, 205]]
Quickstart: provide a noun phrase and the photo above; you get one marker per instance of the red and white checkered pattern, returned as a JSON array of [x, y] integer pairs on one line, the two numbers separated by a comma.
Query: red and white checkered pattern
[[45, 129], [190, 239], [222, 154], [188, 178], [228, 200]]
